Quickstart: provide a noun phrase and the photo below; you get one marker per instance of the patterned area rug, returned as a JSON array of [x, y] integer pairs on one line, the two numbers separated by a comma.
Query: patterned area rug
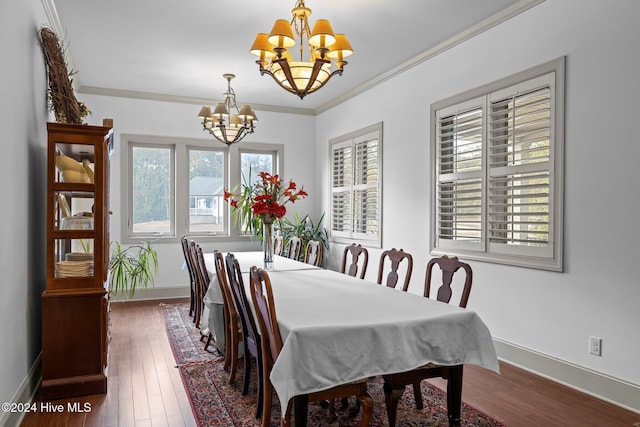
[[217, 403]]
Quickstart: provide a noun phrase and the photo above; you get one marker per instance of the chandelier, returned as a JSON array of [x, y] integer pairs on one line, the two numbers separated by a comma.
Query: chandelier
[[301, 77], [225, 126]]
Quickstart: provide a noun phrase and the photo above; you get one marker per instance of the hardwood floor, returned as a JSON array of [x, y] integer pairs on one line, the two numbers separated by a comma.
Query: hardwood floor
[[145, 389]]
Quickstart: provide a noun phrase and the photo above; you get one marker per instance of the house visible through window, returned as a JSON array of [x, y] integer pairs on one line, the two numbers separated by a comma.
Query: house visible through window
[[497, 170], [175, 186], [356, 186]]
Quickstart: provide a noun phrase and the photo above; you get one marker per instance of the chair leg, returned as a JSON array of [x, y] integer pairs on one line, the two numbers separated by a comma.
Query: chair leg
[[209, 339], [367, 408], [266, 404], [392, 397], [417, 395], [454, 394]]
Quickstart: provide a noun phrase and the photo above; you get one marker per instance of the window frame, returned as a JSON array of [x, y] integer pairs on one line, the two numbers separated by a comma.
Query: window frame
[[180, 183], [523, 256], [352, 139]]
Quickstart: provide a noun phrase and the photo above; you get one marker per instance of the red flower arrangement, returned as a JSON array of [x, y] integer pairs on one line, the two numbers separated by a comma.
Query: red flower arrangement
[[265, 201]]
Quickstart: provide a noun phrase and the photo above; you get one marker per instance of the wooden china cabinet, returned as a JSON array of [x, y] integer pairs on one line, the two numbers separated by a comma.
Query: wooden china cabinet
[[75, 303]]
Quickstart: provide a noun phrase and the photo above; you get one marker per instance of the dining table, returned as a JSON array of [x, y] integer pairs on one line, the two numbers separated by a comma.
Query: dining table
[[338, 329]]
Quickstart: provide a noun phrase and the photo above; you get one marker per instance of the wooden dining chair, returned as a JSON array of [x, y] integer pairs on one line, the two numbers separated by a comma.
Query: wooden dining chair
[[353, 252], [278, 245], [313, 253], [395, 384], [200, 283], [263, 302], [294, 246], [192, 280], [233, 329], [251, 338], [395, 258]]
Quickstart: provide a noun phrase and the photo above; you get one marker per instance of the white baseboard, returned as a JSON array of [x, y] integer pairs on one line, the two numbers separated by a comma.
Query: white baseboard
[[614, 390], [24, 394], [169, 292]]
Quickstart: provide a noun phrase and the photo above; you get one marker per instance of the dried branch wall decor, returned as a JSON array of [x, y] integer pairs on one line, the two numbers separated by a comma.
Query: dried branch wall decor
[[64, 104]]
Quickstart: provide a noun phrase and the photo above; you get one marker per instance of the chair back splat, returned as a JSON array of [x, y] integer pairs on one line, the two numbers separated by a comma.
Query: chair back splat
[[352, 254], [313, 253], [278, 245], [395, 257], [294, 246], [448, 266]]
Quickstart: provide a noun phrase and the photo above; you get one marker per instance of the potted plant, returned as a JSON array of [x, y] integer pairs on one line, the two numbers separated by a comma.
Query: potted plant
[[132, 267]]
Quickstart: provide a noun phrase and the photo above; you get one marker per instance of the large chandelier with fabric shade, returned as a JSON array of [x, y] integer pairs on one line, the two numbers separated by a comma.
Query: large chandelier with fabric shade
[[326, 52], [222, 123]]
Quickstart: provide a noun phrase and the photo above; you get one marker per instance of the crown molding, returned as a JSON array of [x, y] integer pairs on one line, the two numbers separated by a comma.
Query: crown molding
[[459, 38], [152, 96]]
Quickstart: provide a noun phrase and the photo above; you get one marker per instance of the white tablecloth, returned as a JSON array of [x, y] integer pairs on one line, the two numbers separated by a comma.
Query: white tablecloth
[[212, 319], [338, 329]]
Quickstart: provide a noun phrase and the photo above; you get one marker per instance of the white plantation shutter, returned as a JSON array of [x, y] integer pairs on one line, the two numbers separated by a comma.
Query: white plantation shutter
[[520, 199], [459, 176], [341, 197], [355, 186], [497, 170]]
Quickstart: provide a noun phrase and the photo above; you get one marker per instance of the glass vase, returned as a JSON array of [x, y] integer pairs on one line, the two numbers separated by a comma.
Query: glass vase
[[267, 244]]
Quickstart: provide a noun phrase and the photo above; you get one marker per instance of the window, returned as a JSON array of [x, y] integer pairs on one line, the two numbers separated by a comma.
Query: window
[[356, 186], [497, 171], [175, 187], [152, 176]]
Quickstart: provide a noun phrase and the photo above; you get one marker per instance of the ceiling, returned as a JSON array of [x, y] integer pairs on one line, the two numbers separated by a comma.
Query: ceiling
[[179, 50]]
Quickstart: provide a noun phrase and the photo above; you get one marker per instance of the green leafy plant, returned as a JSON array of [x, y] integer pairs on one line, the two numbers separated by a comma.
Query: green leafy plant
[[305, 229], [132, 267]]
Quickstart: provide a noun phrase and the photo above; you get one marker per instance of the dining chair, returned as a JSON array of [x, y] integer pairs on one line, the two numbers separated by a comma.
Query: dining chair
[[355, 251], [394, 384], [199, 282], [202, 285], [278, 245], [294, 246], [192, 280], [313, 253], [233, 329], [263, 302], [395, 257], [251, 338]]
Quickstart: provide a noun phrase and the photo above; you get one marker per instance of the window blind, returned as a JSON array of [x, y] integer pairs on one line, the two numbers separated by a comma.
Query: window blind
[[355, 186], [519, 184]]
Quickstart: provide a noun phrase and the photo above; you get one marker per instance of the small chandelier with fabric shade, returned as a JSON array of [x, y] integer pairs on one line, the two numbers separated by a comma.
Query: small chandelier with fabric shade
[[327, 51], [225, 126]]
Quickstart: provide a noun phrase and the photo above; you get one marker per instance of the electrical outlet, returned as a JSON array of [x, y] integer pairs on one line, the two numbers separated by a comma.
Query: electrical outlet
[[595, 346]]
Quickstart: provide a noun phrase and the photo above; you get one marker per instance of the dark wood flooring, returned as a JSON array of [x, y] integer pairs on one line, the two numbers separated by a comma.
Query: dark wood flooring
[[145, 388]]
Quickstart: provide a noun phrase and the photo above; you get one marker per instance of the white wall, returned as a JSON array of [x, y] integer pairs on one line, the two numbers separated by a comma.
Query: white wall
[[144, 117], [598, 292], [23, 114]]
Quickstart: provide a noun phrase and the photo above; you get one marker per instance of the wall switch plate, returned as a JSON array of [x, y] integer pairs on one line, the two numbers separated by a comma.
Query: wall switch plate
[[595, 346]]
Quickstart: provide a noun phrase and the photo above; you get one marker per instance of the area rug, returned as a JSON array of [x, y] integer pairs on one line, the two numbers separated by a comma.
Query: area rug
[[217, 403]]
